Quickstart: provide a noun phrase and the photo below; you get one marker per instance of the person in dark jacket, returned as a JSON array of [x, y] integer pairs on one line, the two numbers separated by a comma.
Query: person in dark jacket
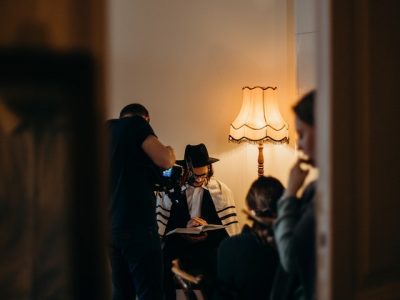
[[247, 262], [295, 226]]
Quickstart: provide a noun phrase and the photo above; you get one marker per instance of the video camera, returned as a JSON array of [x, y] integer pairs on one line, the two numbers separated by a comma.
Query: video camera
[[169, 179]]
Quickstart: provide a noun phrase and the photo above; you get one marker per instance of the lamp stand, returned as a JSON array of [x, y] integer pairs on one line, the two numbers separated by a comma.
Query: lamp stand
[[260, 160]]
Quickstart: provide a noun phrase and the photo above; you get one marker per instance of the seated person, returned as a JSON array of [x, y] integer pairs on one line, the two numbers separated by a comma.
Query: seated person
[[202, 200], [247, 262]]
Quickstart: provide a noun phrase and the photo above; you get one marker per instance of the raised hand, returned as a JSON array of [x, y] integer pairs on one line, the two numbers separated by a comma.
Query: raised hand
[[297, 177]]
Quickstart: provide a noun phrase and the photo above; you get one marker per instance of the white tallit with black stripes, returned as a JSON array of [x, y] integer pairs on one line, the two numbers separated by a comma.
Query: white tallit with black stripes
[[223, 201]]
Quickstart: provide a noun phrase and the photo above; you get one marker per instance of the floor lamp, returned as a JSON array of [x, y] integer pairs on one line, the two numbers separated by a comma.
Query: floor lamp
[[259, 121]]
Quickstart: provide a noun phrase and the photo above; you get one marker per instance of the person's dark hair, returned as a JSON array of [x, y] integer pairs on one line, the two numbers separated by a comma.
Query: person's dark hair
[[304, 109], [134, 109], [210, 171], [264, 193]]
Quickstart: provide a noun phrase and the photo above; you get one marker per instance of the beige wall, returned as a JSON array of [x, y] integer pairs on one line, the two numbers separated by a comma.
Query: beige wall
[[306, 51], [187, 61]]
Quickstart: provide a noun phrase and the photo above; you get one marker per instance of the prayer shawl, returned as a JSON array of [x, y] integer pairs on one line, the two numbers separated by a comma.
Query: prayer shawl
[[223, 201]]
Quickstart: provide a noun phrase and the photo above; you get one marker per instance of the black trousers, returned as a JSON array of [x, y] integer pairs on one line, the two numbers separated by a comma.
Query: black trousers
[[136, 262]]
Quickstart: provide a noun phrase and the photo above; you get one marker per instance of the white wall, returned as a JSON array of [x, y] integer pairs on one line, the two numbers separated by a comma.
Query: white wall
[[187, 61]]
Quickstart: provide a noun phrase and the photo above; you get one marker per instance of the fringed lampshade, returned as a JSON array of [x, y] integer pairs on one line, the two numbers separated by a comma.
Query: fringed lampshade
[[259, 121]]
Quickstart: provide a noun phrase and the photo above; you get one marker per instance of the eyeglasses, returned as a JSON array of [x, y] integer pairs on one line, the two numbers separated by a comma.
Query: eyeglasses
[[200, 176]]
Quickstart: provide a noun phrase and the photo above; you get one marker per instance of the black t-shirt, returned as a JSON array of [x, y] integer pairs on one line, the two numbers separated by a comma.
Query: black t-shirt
[[246, 266], [132, 196]]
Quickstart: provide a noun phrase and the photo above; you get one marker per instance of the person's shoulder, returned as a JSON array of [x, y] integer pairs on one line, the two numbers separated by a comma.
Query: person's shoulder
[[213, 182], [238, 245]]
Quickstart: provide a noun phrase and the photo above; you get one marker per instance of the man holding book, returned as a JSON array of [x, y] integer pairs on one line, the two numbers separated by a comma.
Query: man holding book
[[202, 201]]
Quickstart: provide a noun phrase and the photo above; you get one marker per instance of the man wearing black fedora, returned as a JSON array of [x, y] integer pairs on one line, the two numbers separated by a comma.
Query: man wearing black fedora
[[203, 200]]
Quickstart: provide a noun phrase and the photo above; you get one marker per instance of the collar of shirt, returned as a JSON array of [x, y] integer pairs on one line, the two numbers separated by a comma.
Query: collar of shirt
[[194, 198]]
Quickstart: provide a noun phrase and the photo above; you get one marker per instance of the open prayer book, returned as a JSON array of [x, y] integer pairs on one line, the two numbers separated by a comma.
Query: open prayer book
[[196, 230]]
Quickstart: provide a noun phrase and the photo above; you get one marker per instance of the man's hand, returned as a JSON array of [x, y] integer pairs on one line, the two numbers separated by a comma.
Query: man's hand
[[195, 238], [196, 221]]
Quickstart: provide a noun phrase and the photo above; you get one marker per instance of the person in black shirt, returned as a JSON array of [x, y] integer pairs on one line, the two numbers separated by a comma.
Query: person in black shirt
[[136, 258]]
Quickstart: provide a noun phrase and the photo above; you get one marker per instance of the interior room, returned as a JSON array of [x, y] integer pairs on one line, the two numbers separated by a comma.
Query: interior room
[[187, 63], [69, 66]]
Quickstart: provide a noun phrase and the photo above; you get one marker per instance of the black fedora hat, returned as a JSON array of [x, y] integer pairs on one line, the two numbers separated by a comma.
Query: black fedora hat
[[197, 156]]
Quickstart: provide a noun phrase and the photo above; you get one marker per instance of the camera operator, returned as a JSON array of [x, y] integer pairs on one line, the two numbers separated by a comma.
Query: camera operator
[[136, 258], [201, 200]]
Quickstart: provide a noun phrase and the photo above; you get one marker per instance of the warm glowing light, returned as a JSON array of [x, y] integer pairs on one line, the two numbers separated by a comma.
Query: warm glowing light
[[259, 119]]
